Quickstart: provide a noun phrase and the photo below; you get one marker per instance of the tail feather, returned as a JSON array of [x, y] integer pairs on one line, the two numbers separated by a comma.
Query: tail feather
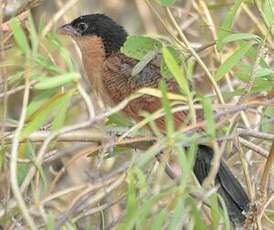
[[230, 189]]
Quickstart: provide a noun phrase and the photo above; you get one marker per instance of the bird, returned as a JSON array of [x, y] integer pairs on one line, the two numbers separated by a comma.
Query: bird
[[100, 40]]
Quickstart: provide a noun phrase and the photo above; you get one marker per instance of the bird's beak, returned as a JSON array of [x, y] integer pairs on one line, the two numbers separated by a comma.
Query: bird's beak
[[67, 29]]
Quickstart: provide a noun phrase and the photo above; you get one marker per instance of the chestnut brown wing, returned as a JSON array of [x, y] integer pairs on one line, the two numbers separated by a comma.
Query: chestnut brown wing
[[119, 83]]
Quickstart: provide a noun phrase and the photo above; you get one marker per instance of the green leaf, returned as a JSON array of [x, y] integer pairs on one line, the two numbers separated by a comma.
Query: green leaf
[[3, 151], [159, 220], [56, 81], [33, 35], [186, 158], [225, 29], [164, 69], [39, 118], [50, 221], [61, 114], [225, 213], [38, 101], [132, 209], [177, 214], [137, 46], [119, 119], [46, 63], [240, 36], [215, 212], [268, 11], [209, 117], [175, 69], [143, 62], [233, 60], [167, 108], [19, 36], [166, 2], [263, 72], [266, 125], [197, 216], [25, 151]]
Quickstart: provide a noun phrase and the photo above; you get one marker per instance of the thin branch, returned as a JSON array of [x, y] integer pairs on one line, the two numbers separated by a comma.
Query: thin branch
[[254, 147], [87, 135], [267, 170], [16, 7], [85, 196], [15, 90], [58, 15], [13, 159], [198, 59], [92, 119]]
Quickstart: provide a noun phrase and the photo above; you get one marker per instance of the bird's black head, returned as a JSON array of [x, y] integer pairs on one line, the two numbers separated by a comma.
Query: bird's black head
[[112, 34]]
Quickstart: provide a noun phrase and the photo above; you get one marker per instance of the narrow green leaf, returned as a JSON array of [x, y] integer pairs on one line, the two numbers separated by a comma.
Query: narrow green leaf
[[159, 220], [39, 101], [119, 119], [167, 109], [233, 60], [25, 151], [61, 114], [176, 71], [177, 214], [57, 81], [46, 63], [225, 29], [33, 35], [39, 119], [19, 36], [143, 62], [51, 221], [215, 212], [131, 195], [268, 11], [261, 72], [225, 213], [132, 210], [209, 116], [164, 69], [197, 216], [266, 125], [166, 2], [240, 36]]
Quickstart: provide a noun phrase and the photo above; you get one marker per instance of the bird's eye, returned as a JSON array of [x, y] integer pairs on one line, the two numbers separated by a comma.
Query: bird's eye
[[82, 26]]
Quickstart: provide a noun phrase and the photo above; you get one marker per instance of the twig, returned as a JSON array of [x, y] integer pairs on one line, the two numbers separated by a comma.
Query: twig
[[16, 7], [256, 134], [13, 158], [198, 59], [98, 209], [58, 15], [92, 119], [266, 173], [86, 196], [264, 206], [254, 147], [15, 90], [55, 134], [262, 15], [88, 135], [245, 170]]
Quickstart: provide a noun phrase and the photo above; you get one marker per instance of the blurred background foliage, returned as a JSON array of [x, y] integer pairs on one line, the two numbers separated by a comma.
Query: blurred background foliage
[[73, 171]]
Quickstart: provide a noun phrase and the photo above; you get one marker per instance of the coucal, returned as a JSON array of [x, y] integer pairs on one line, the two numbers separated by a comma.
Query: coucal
[[100, 39]]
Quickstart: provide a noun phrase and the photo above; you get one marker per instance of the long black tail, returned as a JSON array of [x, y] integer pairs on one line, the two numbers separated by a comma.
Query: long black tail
[[230, 189]]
